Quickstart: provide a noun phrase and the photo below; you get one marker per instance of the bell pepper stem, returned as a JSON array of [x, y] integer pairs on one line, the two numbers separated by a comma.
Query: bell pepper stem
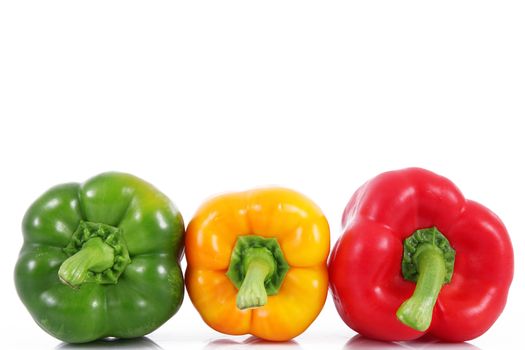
[[95, 256], [259, 264], [416, 312], [257, 269]]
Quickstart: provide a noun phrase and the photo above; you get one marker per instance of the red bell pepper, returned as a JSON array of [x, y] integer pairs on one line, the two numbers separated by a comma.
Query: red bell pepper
[[416, 257]]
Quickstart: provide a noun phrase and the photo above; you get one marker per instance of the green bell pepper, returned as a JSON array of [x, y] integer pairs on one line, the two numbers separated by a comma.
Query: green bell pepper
[[101, 259]]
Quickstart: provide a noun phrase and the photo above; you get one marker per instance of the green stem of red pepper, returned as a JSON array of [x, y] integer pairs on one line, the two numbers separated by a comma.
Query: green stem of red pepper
[[428, 260], [416, 312]]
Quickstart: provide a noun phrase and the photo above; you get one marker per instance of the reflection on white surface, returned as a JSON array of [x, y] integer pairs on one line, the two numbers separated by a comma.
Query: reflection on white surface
[[360, 342], [137, 343], [251, 342]]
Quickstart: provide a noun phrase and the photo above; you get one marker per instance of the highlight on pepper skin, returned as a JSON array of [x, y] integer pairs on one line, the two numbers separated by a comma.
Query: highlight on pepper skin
[[257, 263], [416, 257]]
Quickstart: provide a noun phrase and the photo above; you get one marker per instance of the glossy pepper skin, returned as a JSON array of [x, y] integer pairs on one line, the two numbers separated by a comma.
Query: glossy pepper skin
[[273, 215], [101, 259], [365, 267]]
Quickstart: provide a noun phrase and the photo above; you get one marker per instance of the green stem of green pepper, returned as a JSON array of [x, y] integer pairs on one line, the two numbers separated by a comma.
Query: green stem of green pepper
[[95, 256]]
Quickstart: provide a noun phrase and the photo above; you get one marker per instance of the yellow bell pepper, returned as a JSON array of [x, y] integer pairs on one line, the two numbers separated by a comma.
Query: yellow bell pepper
[[257, 263]]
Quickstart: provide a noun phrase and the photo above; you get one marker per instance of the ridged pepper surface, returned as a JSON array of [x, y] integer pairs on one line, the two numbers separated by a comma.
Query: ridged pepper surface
[[101, 259], [417, 257], [257, 263]]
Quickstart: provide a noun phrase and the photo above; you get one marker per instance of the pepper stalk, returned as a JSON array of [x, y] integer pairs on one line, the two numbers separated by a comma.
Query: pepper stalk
[[428, 260], [257, 268]]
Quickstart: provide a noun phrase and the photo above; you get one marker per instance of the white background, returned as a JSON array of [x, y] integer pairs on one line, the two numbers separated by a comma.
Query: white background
[[211, 96]]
